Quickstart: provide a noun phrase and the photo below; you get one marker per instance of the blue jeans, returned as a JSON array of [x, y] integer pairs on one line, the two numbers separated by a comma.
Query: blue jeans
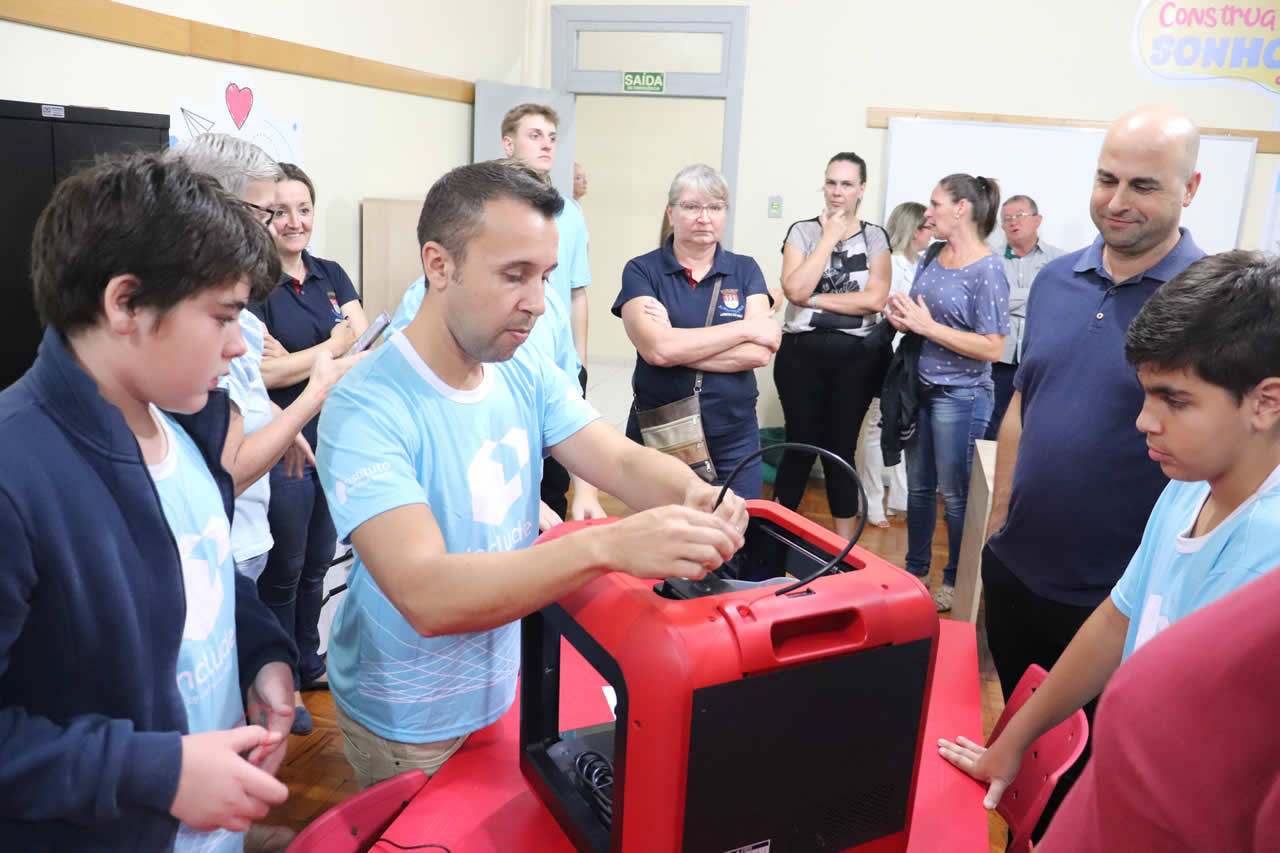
[[939, 458], [292, 583]]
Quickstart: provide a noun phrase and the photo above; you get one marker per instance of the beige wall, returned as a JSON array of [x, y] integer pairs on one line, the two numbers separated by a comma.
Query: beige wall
[[357, 142], [815, 66], [633, 155], [478, 39]]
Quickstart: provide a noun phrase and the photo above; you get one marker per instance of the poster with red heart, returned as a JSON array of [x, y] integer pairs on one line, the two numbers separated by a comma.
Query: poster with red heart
[[238, 104]]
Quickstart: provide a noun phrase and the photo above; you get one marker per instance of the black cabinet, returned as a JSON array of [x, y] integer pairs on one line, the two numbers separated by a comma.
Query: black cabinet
[[40, 144]]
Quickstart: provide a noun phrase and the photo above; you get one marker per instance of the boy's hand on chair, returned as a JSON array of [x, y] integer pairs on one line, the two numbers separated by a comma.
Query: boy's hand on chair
[[219, 788], [984, 764]]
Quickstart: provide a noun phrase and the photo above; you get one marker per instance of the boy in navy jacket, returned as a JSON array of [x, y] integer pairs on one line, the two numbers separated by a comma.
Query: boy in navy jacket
[[129, 646]]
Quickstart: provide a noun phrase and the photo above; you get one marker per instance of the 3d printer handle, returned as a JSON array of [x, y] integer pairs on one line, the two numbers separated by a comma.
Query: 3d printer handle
[[776, 631]]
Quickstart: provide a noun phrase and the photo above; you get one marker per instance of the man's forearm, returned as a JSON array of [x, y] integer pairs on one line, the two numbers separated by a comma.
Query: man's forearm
[[488, 589], [647, 478]]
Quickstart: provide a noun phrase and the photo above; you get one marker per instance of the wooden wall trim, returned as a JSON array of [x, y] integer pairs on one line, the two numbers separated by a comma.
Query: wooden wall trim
[[1268, 140], [103, 19]]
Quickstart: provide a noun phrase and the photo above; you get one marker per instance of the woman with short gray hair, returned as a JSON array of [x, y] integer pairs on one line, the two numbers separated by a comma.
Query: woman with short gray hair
[[700, 320]]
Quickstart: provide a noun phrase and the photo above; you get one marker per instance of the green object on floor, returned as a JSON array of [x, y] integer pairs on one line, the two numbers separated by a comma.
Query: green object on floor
[[769, 436]]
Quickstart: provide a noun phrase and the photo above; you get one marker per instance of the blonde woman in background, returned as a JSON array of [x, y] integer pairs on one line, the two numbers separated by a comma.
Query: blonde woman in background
[[908, 237]]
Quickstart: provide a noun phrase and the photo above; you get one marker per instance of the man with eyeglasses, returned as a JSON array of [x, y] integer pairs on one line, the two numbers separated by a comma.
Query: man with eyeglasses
[[1025, 254]]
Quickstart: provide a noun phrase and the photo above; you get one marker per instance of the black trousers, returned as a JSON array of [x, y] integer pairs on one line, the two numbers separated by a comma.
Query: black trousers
[[1024, 628], [825, 380], [555, 479]]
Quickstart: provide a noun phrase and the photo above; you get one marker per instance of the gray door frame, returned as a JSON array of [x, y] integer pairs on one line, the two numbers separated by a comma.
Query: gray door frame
[[726, 84]]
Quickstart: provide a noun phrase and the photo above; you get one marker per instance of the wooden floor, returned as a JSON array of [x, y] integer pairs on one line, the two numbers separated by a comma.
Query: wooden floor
[[319, 777]]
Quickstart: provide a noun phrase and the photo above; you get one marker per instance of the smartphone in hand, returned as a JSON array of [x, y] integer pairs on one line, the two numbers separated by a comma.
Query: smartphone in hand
[[371, 334]]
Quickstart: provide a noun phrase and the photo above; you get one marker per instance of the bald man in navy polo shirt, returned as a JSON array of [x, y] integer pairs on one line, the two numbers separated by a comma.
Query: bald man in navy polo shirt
[[1074, 484]]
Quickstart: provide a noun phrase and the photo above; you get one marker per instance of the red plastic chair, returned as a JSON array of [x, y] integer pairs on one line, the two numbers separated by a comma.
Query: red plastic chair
[[1042, 764], [356, 823]]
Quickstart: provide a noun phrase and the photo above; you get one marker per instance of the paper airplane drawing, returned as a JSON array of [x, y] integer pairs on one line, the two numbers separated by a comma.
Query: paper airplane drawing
[[196, 124]]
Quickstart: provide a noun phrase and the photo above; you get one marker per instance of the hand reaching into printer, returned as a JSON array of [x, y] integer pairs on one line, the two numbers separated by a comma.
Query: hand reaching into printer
[[670, 541], [732, 509]]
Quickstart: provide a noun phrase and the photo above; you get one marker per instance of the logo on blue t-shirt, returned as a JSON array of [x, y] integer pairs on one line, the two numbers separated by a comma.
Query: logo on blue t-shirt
[[492, 492], [730, 298]]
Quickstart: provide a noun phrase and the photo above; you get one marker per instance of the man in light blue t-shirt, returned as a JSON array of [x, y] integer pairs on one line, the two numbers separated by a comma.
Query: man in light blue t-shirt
[[1207, 350], [431, 452], [552, 339]]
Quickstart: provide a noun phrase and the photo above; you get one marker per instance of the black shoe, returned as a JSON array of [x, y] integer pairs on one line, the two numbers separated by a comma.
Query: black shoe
[[302, 722]]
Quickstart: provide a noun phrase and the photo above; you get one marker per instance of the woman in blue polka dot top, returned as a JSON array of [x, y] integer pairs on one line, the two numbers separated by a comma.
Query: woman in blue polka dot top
[[959, 305]]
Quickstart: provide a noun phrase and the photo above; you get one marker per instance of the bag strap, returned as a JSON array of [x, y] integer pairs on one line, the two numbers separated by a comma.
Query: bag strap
[[711, 312], [931, 253]]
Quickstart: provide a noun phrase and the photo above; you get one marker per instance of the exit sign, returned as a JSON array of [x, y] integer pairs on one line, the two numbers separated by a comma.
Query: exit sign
[[644, 81]]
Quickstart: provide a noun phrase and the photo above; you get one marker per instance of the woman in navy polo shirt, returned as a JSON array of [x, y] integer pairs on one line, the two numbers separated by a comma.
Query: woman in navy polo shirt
[[315, 308], [663, 304], [835, 273], [959, 304]]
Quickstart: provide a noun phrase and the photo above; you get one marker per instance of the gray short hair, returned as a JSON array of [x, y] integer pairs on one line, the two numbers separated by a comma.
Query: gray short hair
[[700, 178], [1031, 203], [233, 162]]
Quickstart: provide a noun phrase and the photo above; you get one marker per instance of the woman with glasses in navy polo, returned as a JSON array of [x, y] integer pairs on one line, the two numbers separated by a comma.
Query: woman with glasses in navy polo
[[835, 274], [314, 309], [664, 302]]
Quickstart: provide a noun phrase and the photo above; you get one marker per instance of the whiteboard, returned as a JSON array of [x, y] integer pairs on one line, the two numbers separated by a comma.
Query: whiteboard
[[1055, 166]]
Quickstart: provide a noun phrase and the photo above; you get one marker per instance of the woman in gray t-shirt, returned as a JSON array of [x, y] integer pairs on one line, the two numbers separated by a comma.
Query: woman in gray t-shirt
[[835, 273]]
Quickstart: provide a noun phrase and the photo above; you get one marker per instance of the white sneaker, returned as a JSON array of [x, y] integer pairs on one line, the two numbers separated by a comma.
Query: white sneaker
[[942, 597]]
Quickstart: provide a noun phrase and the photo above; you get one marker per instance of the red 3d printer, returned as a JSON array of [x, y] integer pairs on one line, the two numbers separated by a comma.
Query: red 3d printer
[[766, 719]]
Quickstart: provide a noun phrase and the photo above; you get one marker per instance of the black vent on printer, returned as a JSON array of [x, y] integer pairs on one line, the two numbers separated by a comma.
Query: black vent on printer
[[812, 758]]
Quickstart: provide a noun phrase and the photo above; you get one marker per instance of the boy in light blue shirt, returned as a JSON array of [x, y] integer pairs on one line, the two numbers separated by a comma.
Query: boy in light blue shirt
[[431, 453], [208, 672], [1207, 350]]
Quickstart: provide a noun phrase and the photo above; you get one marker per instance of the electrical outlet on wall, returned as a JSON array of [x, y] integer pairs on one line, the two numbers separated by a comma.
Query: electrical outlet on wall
[[775, 207]]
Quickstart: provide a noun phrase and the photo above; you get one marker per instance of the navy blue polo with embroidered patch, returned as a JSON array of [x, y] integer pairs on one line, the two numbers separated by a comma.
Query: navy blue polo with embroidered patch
[[728, 399], [302, 314]]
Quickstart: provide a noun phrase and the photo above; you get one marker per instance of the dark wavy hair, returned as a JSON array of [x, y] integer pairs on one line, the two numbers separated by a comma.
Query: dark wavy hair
[[1220, 317], [150, 216]]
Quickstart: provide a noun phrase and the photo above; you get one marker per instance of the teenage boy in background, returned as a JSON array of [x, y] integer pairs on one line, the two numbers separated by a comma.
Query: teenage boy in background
[[1207, 349], [129, 645]]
